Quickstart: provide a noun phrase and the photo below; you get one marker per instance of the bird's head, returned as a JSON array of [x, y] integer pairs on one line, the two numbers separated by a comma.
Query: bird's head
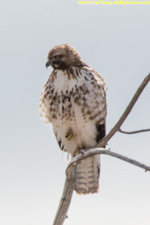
[[64, 56]]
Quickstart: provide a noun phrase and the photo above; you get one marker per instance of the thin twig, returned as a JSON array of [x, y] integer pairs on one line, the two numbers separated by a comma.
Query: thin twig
[[96, 151], [133, 132]]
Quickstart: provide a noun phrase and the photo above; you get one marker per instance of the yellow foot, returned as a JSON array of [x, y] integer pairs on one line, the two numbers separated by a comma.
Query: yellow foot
[[78, 150], [69, 134]]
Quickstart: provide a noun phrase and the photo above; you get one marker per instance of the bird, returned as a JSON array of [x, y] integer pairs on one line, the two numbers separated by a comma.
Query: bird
[[73, 100]]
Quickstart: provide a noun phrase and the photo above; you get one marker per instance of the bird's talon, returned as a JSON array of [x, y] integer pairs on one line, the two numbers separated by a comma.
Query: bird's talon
[[69, 134], [82, 151]]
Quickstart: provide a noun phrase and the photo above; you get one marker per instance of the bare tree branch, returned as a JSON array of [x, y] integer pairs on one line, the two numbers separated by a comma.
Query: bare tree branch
[[133, 132], [64, 203], [128, 109], [69, 183], [103, 151]]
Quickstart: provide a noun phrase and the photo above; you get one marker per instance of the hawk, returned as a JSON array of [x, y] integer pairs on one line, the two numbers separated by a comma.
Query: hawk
[[74, 101]]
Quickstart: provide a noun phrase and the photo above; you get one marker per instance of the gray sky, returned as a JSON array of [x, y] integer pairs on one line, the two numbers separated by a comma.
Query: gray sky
[[114, 40]]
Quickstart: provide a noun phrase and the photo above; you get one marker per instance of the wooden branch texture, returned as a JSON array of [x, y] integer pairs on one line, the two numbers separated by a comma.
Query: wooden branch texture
[[64, 203], [69, 183], [110, 153]]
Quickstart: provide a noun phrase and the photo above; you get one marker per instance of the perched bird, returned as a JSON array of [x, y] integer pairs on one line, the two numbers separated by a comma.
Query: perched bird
[[74, 101]]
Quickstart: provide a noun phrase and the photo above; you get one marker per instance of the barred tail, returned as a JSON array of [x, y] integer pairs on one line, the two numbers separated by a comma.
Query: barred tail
[[87, 175]]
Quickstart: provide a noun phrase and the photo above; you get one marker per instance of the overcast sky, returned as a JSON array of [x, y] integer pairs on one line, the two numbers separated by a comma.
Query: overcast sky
[[115, 41]]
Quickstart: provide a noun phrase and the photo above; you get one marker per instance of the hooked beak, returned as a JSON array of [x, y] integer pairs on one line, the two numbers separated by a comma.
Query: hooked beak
[[48, 64]]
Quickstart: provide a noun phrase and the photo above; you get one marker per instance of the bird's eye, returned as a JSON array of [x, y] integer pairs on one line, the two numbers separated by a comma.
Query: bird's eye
[[57, 57]]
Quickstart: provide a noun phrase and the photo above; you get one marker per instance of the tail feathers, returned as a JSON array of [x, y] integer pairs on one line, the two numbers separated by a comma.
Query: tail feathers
[[87, 175]]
